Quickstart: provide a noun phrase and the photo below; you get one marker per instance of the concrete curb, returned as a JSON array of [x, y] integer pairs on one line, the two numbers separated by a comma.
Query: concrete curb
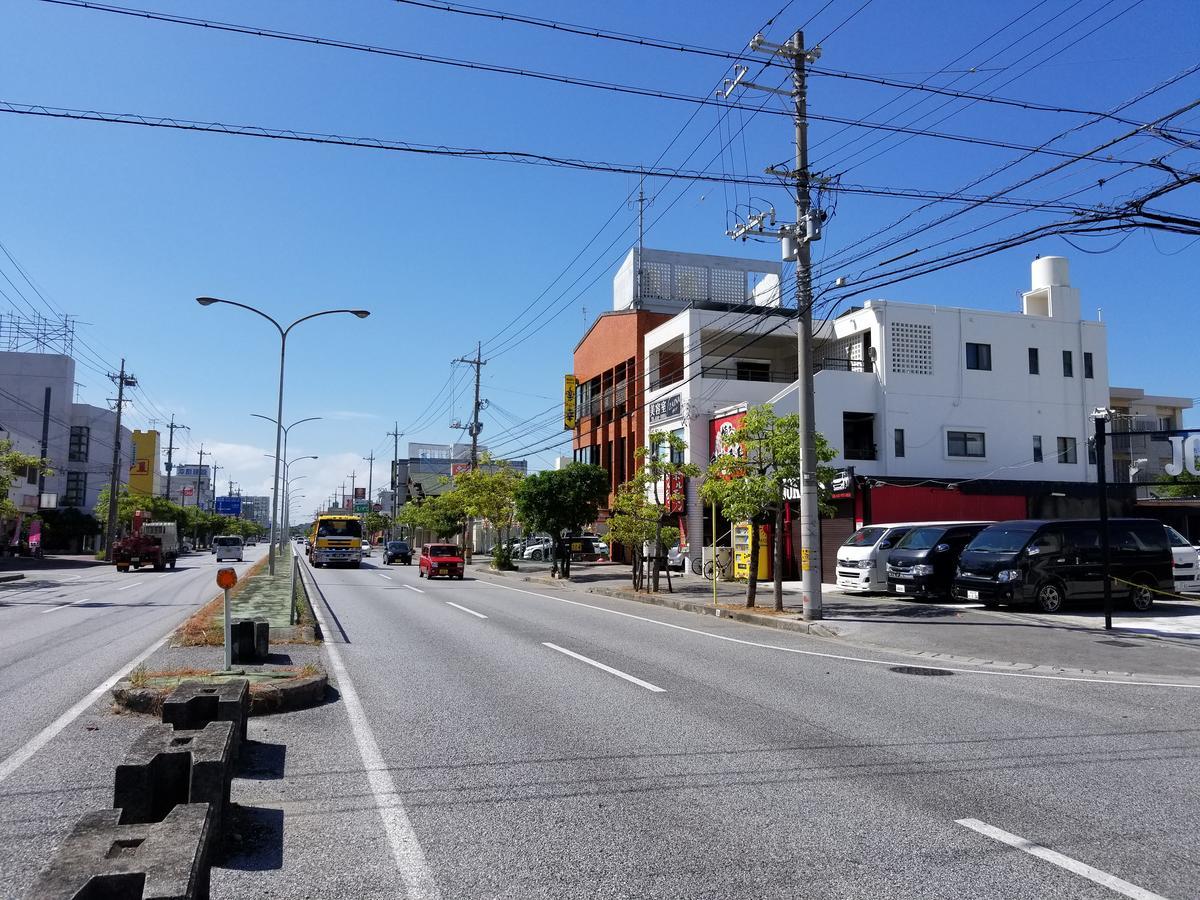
[[820, 629], [265, 700], [12, 576]]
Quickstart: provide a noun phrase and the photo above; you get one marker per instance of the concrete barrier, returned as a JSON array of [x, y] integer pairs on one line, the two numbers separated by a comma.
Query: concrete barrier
[[165, 767], [193, 704], [251, 640], [102, 859]]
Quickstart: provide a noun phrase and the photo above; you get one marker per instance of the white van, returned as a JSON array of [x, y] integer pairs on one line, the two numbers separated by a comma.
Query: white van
[[1187, 563], [862, 559], [228, 546]]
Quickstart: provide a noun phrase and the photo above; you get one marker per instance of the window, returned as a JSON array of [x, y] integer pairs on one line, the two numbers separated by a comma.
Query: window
[[1034, 367], [1091, 445], [76, 494], [1087, 365], [899, 443], [1166, 423], [965, 443], [753, 371], [1068, 365], [77, 451], [979, 356], [31, 474], [1066, 450], [1037, 448]]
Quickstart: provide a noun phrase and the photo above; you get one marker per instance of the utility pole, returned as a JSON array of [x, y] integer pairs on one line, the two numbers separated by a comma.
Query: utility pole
[[475, 427], [122, 381], [370, 483], [45, 445], [796, 241], [396, 434], [170, 452], [200, 476], [212, 486]]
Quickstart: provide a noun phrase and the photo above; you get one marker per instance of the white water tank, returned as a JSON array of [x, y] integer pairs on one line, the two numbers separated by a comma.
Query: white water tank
[[1051, 271]]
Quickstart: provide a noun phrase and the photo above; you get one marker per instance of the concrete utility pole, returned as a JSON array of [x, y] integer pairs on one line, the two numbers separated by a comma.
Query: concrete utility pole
[[212, 487], [122, 381], [370, 481], [396, 434], [199, 476], [170, 452], [797, 244], [475, 427]]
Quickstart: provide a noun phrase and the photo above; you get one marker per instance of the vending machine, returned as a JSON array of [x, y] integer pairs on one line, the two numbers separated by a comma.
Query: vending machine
[[741, 551]]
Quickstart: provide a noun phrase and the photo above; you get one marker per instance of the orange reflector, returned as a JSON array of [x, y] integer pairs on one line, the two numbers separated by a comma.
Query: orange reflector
[[226, 578]]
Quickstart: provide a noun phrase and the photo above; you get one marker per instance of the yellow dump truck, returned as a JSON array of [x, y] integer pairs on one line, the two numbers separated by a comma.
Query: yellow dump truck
[[336, 539]]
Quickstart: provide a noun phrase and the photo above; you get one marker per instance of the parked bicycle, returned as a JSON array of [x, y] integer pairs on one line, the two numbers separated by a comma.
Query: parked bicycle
[[710, 569]]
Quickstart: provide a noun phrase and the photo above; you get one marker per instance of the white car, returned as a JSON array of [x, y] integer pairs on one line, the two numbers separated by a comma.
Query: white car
[[1187, 563], [366, 549], [538, 549], [228, 547]]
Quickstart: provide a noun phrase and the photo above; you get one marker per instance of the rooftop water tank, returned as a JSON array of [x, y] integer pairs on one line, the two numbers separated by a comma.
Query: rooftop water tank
[[1051, 271]]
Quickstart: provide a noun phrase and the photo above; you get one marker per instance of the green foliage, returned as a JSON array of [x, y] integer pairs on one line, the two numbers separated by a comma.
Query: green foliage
[[560, 501], [442, 515], [377, 522], [490, 493], [191, 520], [64, 528], [13, 462], [1185, 484]]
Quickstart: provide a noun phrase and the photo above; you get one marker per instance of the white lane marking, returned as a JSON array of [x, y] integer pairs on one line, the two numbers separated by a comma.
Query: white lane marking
[[128, 586], [381, 575], [47, 734], [164, 575], [609, 669], [464, 609], [65, 605], [417, 589], [406, 849], [842, 657], [1112, 882], [72, 578]]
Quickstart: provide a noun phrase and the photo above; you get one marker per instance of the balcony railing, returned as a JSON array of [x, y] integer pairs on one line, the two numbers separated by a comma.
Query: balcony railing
[[837, 364], [732, 373], [868, 452]]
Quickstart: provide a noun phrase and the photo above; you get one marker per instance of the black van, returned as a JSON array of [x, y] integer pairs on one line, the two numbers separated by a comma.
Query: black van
[[922, 564], [1050, 562]]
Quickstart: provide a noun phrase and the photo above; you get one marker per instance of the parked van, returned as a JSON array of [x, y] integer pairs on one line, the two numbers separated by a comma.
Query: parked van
[[922, 564], [862, 559], [228, 546], [1048, 563], [1187, 563]]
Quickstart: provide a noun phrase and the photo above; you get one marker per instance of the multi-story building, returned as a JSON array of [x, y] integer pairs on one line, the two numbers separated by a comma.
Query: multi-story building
[[36, 399], [939, 412], [650, 288], [257, 509], [1139, 457]]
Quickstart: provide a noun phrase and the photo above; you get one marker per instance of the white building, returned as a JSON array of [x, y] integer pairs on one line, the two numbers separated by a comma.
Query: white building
[[903, 390], [37, 389]]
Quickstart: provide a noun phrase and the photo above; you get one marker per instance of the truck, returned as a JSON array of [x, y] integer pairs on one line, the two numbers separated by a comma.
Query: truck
[[148, 543], [336, 539]]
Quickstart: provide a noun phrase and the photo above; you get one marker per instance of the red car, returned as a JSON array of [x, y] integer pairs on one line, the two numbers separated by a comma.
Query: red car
[[440, 559]]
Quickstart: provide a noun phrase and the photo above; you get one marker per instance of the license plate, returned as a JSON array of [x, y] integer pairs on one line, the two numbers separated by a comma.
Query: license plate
[[972, 595], [135, 559], [900, 589]]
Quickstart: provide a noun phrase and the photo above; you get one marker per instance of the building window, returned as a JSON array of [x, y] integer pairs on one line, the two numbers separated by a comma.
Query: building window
[[965, 443], [76, 494], [1067, 452], [77, 451], [899, 443], [979, 356], [858, 435], [1166, 423], [1068, 365], [1091, 445], [753, 371], [1087, 365], [1037, 448], [1034, 367]]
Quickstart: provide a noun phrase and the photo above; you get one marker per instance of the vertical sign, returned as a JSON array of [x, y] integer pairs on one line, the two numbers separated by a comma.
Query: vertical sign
[[569, 417]]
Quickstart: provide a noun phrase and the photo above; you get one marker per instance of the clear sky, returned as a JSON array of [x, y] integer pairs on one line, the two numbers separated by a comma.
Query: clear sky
[[122, 226]]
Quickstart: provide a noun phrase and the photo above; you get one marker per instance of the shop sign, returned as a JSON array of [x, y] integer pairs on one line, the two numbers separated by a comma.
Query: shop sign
[[665, 408]]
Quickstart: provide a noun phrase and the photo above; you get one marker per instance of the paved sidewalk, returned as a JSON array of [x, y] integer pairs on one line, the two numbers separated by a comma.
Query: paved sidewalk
[[939, 632]]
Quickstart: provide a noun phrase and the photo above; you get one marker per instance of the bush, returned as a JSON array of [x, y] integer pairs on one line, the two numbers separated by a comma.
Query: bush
[[502, 558]]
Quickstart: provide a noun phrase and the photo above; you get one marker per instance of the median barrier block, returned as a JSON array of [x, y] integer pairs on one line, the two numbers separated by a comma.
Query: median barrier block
[[165, 768], [251, 639], [101, 859], [193, 704]]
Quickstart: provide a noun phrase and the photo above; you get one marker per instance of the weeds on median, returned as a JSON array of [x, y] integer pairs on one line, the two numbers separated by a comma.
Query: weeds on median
[[206, 626]]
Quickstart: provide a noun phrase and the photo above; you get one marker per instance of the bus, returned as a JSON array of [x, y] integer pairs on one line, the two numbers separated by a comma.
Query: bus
[[336, 539]]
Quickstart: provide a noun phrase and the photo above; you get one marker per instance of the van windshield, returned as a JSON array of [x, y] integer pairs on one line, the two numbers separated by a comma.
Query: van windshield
[[350, 528], [865, 537], [999, 539], [1176, 539], [920, 538]]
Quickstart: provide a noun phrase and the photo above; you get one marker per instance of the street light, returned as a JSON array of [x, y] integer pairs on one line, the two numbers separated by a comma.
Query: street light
[[287, 463], [286, 431], [283, 334]]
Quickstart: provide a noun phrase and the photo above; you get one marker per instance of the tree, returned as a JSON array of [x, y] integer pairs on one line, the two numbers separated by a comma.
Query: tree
[[14, 463], [661, 467], [636, 520], [1185, 484], [378, 522], [561, 501], [440, 514], [751, 484], [490, 493]]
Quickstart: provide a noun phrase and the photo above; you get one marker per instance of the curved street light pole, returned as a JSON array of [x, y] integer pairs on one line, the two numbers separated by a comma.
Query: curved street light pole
[[287, 484], [283, 334], [286, 431]]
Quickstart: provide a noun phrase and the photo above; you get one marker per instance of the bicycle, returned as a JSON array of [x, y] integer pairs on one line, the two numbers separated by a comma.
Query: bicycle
[[710, 569]]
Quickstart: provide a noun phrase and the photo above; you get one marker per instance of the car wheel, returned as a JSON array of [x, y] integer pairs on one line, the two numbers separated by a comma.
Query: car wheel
[[1050, 597], [1141, 598]]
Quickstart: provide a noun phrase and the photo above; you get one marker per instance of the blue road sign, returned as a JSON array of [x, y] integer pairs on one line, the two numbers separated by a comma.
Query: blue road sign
[[229, 506]]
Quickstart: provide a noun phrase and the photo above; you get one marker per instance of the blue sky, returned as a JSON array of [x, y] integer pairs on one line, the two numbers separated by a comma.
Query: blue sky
[[122, 226]]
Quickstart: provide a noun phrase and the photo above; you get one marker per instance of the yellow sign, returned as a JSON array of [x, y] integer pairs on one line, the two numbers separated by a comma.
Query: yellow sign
[[145, 463], [569, 385], [804, 561]]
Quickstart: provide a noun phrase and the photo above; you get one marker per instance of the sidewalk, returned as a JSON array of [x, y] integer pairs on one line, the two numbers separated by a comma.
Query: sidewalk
[[937, 632]]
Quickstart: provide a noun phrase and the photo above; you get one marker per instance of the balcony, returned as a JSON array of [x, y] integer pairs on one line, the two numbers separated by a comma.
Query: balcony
[[741, 373], [836, 364]]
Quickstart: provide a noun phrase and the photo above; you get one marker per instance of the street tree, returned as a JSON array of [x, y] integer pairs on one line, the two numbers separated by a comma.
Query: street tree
[[662, 468], [440, 514], [561, 502], [751, 482], [490, 493], [636, 521], [1183, 485], [13, 463], [378, 522]]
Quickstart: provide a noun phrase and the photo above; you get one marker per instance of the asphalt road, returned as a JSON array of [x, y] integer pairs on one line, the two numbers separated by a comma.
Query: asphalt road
[[519, 741], [64, 631]]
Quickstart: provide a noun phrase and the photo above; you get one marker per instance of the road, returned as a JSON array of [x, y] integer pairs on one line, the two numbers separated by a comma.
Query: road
[[64, 631], [520, 741]]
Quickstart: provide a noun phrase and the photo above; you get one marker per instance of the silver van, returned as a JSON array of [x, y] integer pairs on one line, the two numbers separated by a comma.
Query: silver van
[[228, 546]]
